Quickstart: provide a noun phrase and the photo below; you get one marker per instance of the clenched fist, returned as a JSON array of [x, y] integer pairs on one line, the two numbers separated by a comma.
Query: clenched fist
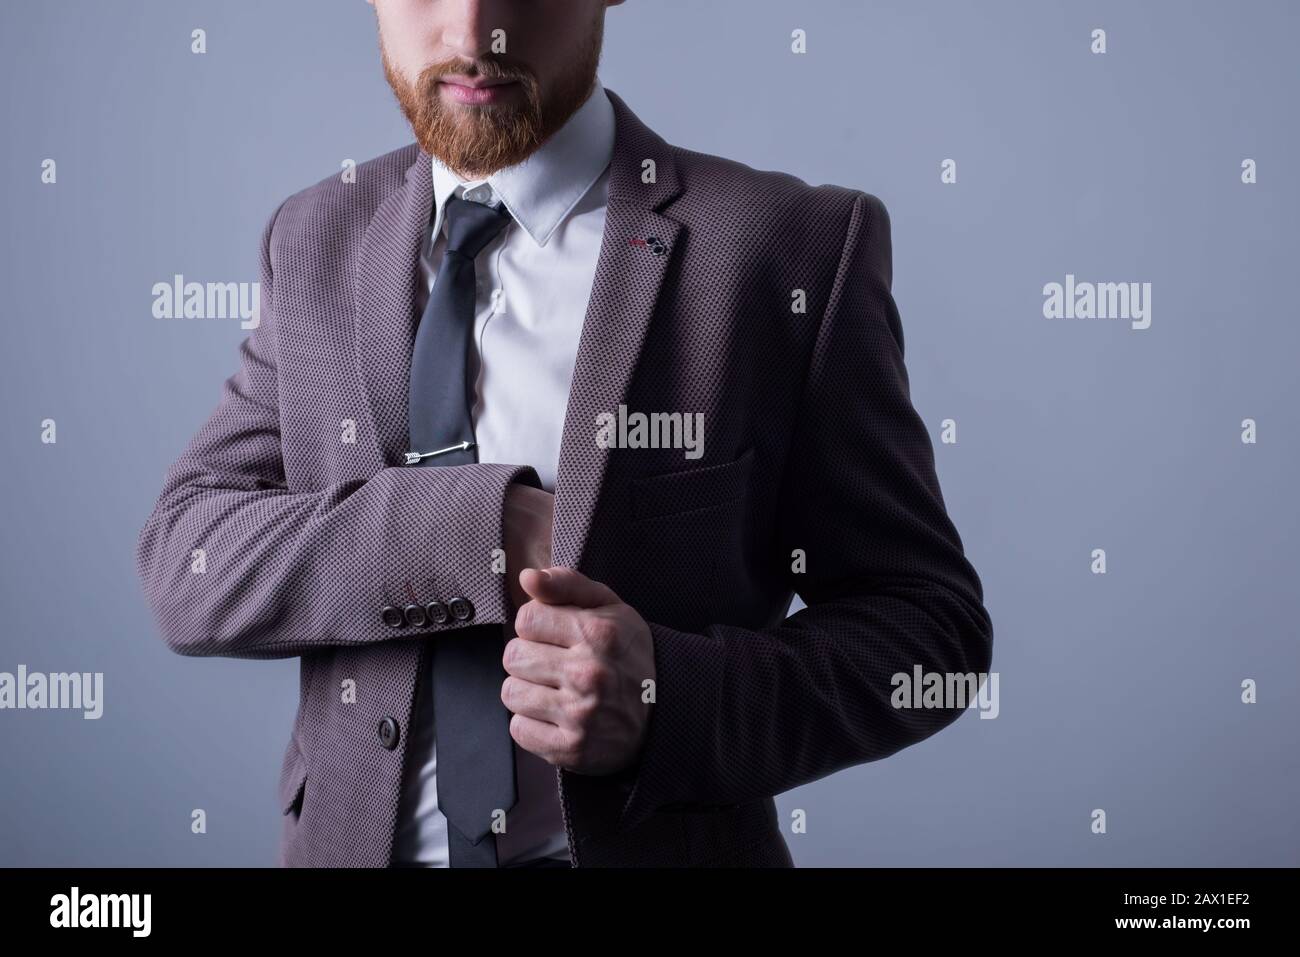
[[575, 671]]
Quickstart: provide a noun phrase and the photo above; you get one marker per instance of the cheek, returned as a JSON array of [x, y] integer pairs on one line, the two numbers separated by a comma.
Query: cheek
[[409, 36], [554, 39]]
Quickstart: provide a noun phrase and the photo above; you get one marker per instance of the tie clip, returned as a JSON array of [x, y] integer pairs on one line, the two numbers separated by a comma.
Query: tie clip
[[413, 458]]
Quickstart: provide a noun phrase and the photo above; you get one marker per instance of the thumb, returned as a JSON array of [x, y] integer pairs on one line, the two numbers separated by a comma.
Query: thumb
[[565, 586]]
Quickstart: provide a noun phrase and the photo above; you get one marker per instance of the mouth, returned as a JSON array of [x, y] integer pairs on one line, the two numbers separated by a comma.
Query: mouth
[[476, 90]]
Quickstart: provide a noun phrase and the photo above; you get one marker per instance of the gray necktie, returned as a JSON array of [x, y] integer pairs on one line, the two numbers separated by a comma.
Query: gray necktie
[[475, 753], [441, 395]]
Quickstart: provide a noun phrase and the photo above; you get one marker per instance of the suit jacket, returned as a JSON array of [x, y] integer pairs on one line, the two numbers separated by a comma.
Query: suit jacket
[[818, 479]]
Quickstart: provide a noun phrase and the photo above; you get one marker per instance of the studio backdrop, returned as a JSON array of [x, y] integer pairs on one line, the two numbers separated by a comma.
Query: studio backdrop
[[1094, 211]]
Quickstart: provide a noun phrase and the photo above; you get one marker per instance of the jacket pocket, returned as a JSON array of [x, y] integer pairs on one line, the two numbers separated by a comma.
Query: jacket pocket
[[293, 779], [689, 490]]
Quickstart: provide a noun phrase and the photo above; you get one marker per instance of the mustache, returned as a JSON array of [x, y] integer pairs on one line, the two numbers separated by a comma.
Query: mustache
[[488, 68]]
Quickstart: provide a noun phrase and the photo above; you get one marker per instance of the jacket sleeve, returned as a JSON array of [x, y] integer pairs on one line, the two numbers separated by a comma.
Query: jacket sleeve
[[740, 714], [234, 564]]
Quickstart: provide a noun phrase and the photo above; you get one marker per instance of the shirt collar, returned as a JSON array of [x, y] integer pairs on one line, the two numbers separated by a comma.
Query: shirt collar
[[542, 190]]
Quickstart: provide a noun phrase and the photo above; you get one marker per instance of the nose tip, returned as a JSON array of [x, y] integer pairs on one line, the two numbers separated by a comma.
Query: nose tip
[[470, 37]]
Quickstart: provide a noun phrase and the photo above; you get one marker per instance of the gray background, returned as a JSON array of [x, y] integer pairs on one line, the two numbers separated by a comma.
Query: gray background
[[1118, 692]]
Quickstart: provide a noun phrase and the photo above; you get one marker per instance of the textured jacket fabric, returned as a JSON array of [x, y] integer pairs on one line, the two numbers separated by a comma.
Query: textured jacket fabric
[[289, 522]]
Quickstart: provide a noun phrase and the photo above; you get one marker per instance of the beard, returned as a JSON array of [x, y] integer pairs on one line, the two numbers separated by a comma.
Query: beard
[[477, 140]]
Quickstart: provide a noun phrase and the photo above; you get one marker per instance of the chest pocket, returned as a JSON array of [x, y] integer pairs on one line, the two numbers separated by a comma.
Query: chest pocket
[[691, 490]]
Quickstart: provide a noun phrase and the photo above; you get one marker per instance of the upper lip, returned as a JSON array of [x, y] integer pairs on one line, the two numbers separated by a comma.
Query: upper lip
[[477, 82]]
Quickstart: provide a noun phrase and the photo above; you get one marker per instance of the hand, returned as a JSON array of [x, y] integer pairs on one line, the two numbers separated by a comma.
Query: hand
[[528, 516], [575, 673]]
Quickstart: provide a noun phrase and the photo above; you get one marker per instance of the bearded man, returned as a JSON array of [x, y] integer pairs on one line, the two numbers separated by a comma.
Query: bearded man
[[526, 638]]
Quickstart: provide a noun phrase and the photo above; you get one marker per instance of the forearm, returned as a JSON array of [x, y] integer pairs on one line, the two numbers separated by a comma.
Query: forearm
[[249, 572], [741, 714]]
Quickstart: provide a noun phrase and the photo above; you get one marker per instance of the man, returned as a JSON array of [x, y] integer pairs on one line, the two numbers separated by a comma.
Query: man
[[545, 423]]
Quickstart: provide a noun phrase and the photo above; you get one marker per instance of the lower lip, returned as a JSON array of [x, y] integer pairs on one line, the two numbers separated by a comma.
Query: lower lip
[[478, 95]]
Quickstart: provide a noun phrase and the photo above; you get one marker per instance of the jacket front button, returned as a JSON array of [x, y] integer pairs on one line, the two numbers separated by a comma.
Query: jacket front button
[[392, 616], [461, 609], [388, 733]]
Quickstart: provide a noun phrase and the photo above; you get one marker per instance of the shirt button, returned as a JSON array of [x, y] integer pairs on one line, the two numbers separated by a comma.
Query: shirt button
[[498, 300]]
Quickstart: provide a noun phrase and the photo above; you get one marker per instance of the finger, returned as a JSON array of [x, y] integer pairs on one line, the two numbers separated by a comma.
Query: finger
[[538, 737], [566, 586], [533, 701], [534, 661], [552, 624]]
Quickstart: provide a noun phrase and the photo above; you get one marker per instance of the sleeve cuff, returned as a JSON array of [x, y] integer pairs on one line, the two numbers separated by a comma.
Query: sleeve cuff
[[677, 761], [446, 539]]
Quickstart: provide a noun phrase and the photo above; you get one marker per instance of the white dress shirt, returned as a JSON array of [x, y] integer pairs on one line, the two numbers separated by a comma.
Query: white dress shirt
[[534, 282]]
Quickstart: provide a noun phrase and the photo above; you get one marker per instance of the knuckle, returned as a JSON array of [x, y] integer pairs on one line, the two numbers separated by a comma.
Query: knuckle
[[513, 656], [595, 630], [586, 676], [519, 733]]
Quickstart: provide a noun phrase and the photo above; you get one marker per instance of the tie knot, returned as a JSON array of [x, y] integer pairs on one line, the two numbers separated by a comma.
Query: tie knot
[[471, 226]]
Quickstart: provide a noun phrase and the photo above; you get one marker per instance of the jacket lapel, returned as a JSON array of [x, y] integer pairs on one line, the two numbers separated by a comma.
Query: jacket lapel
[[630, 272], [388, 272]]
